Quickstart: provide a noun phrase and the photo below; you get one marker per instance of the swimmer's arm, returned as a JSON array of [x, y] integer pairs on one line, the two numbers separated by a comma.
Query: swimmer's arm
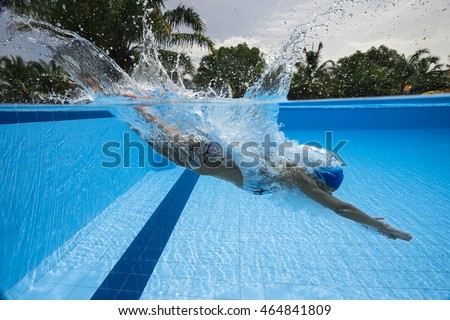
[[308, 186], [135, 96], [152, 119]]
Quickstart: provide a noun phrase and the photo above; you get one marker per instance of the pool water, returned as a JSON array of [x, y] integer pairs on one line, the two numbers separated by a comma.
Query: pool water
[[174, 235]]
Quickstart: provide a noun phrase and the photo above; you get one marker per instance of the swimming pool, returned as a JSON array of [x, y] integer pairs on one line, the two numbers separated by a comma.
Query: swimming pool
[[73, 228]]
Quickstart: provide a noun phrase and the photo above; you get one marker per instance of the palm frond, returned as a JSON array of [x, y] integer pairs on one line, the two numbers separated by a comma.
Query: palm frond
[[191, 39], [185, 16]]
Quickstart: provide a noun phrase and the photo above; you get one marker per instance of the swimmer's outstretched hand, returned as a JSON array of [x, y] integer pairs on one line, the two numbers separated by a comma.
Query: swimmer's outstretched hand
[[392, 233]]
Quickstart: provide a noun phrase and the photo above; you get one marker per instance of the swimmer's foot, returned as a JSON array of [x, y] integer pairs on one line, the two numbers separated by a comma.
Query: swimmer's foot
[[393, 233]]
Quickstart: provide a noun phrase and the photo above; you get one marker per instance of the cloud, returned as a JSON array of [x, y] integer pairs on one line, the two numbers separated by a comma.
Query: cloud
[[403, 25]]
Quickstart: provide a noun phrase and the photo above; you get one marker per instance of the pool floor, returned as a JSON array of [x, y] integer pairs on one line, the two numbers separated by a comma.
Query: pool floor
[[231, 244]]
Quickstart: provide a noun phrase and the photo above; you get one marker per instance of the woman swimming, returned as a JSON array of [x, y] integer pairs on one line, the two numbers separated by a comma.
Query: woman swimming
[[200, 153]]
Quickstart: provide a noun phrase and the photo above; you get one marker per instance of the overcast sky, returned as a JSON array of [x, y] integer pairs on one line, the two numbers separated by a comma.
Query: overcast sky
[[407, 26]]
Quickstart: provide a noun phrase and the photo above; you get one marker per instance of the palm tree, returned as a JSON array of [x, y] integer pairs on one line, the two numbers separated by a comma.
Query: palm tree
[[312, 78], [117, 26], [312, 60], [424, 73], [15, 78], [166, 26], [32, 81]]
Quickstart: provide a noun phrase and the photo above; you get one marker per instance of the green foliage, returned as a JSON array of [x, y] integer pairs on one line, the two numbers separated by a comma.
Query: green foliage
[[368, 74], [31, 82], [116, 26], [239, 67], [312, 79], [177, 65], [377, 72]]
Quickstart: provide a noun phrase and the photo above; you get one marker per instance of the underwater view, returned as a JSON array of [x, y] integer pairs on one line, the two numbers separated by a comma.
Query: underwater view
[[137, 181]]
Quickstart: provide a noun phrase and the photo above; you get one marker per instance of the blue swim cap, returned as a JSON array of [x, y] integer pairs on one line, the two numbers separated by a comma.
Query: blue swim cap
[[331, 176]]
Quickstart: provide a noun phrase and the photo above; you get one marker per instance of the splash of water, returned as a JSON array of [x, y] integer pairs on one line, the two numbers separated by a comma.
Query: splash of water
[[251, 119], [275, 81]]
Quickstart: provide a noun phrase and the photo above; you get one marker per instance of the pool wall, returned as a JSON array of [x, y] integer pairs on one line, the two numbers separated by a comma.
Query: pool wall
[[53, 182], [417, 112]]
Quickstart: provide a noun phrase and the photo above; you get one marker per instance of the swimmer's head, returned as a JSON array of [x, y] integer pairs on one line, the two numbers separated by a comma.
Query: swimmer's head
[[331, 177]]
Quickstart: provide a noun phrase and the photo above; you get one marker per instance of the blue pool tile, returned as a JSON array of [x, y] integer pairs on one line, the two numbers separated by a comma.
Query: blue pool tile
[[128, 295], [381, 294], [37, 292], [115, 251], [30, 136], [9, 117], [358, 263], [55, 276], [298, 276], [135, 282], [303, 292], [328, 293], [81, 293], [370, 279], [131, 255], [20, 287], [408, 294], [152, 296], [395, 279], [434, 294], [44, 116], [74, 277], [59, 292], [228, 290], [273, 275], [321, 277], [60, 116], [183, 270], [354, 293], [157, 285], [151, 254], [380, 264], [166, 269], [114, 281], [251, 274], [180, 287], [93, 279], [100, 294], [15, 161], [442, 280], [206, 272], [105, 264], [345, 277], [419, 280], [27, 116], [144, 267], [177, 297], [277, 291], [203, 289], [11, 137], [124, 266], [252, 291]]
